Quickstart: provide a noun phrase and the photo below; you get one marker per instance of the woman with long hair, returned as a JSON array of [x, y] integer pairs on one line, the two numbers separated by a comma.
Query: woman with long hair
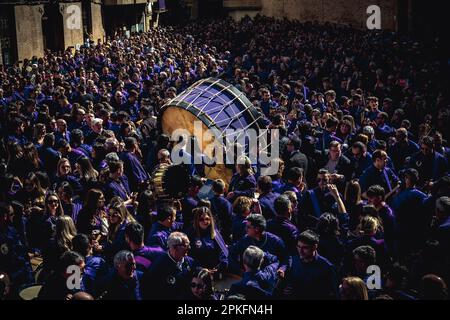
[[92, 217], [30, 161], [39, 133], [52, 211], [353, 288], [330, 246], [207, 245], [146, 210], [31, 193], [119, 217], [243, 182], [15, 155], [65, 231], [201, 286], [64, 173], [242, 207], [344, 132], [86, 174], [353, 202], [71, 203]]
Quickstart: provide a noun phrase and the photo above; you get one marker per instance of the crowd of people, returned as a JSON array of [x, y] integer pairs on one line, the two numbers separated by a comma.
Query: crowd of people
[[363, 176]]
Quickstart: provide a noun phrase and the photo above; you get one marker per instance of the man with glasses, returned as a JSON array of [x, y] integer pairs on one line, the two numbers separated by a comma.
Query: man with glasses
[[378, 174], [382, 130], [257, 282], [402, 148], [430, 164], [318, 200], [123, 282], [336, 163], [312, 277], [169, 275], [293, 157]]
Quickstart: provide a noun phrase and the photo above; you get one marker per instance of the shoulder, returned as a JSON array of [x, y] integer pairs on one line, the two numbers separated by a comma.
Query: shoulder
[[272, 237], [324, 261]]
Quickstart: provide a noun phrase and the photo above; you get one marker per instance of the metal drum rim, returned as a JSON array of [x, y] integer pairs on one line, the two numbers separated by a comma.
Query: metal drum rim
[[256, 119]]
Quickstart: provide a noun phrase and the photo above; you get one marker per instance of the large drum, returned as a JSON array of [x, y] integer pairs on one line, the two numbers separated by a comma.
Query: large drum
[[217, 105]]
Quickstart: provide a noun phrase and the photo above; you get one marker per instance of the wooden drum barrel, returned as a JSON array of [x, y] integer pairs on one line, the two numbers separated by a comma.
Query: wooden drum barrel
[[217, 105]]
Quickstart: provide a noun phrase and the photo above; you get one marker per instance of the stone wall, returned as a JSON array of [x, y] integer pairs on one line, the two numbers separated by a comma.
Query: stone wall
[[29, 31], [72, 24], [98, 32], [339, 11]]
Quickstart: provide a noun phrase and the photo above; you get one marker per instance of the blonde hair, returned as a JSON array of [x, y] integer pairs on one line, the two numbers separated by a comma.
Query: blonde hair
[[244, 164], [242, 204], [60, 162], [65, 232], [117, 203], [368, 225], [357, 289]]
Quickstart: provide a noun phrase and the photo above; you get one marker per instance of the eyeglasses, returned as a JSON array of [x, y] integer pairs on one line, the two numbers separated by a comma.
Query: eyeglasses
[[197, 285]]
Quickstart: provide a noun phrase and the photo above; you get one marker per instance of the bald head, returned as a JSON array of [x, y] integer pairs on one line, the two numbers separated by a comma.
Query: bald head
[[82, 296]]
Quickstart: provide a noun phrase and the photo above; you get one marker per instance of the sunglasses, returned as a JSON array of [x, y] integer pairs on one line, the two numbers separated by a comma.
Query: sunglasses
[[52, 201], [197, 285]]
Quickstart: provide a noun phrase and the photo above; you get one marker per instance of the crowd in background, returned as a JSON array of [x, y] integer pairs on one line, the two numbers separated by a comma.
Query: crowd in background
[[363, 180]]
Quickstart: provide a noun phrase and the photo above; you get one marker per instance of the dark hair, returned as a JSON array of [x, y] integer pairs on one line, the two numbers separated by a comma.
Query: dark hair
[[44, 179], [412, 174], [49, 140], [164, 212], [114, 166], [81, 244], [218, 186], [378, 154], [282, 205], [206, 278], [328, 224], [294, 174], [296, 142], [76, 137], [428, 141], [68, 258], [398, 274], [130, 142], [265, 184], [365, 253], [309, 237], [332, 122], [135, 232], [146, 202], [258, 221], [376, 191], [67, 188]]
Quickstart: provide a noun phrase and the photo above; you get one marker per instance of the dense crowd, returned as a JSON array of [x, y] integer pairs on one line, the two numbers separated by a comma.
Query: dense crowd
[[363, 175]]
